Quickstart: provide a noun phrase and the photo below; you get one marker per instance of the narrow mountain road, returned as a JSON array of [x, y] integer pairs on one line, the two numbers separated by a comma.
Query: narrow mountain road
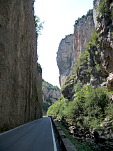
[[34, 136]]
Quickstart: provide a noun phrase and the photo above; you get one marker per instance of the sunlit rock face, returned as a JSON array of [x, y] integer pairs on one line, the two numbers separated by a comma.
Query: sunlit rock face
[[50, 93], [73, 45], [95, 11], [83, 29], [65, 57], [20, 101]]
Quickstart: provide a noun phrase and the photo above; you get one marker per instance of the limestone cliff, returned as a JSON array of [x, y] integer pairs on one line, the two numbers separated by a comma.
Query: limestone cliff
[[50, 95], [83, 29], [93, 67], [73, 45], [65, 57], [92, 60], [20, 99], [103, 18]]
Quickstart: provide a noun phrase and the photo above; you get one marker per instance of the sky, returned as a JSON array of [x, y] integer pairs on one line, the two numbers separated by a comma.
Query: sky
[[59, 17]]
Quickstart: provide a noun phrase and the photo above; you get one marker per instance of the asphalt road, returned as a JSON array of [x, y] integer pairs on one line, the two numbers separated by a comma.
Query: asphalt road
[[33, 136]]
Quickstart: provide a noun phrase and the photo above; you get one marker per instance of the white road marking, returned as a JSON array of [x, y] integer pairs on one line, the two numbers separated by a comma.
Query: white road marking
[[54, 142]]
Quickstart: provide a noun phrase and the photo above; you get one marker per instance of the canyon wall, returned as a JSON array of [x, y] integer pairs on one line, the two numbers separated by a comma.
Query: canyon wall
[[91, 79], [87, 104], [83, 29], [103, 18], [20, 99], [65, 57], [87, 57], [73, 45], [50, 93]]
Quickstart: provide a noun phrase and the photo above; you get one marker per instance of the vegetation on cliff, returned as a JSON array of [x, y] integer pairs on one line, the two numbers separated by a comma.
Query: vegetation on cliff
[[88, 110], [39, 68], [89, 105], [50, 95], [38, 25], [50, 86], [102, 6], [87, 68], [87, 102]]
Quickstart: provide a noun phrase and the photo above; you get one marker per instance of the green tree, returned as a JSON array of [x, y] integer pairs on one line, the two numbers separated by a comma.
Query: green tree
[[39, 68], [38, 25], [57, 109]]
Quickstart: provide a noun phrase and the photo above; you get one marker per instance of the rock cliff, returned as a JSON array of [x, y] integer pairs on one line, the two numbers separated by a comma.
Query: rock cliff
[[65, 57], [73, 45], [83, 29], [50, 95], [103, 18], [20, 99], [92, 59]]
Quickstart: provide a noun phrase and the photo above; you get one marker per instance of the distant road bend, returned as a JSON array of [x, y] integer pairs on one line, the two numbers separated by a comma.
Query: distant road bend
[[34, 136]]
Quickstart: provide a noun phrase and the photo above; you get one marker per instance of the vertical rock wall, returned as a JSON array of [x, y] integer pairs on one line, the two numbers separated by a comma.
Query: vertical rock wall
[[65, 57], [73, 45], [83, 30], [103, 18], [104, 26], [50, 93], [19, 94]]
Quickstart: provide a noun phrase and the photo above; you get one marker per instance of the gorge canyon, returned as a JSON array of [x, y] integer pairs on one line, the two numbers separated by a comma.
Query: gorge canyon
[[85, 62], [20, 80], [92, 32]]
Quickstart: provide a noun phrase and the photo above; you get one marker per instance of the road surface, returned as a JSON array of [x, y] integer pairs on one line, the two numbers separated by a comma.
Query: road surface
[[34, 136]]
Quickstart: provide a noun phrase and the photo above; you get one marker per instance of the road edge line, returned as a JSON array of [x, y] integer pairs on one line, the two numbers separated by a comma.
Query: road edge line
[[54, 142]]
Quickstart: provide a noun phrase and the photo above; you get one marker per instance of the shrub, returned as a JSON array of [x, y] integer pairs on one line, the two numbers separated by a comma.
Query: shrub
[[78, 87], [87, 110], [101, 7], [109, 110], [39, 68], [93, 39], [38, 25], [57, 109], [90, 13], [45, 107]]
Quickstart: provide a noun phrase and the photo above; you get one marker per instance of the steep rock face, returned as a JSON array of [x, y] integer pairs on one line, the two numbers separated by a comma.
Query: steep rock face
[[103, 17], [65, 57], [39, 97], [83, 29], [50, 93], [73, 45], [94, 68], [19, 94], [95, 11]]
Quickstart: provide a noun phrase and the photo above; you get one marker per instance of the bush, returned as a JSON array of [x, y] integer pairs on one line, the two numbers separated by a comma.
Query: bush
[[39, 68], [102, 7], [88, 110], [109, 110], [38, 25], [57, 109], [45, 107]]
